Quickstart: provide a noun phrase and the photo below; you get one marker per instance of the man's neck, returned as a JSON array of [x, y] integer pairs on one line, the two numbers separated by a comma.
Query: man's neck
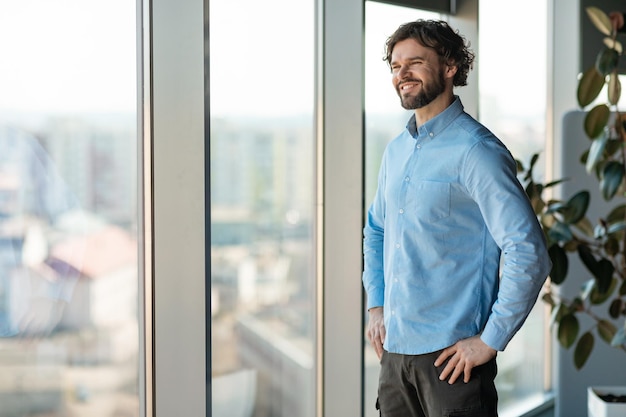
[[424, 114]]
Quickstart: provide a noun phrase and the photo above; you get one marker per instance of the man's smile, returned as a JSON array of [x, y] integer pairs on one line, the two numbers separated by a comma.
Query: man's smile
[[408, 85]]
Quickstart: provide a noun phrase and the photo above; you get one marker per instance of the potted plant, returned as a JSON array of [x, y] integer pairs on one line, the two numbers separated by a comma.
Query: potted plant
[[600, 246]]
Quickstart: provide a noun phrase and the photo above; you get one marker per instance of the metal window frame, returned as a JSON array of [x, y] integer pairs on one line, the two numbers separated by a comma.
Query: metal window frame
[[174, 123], [174, 207]]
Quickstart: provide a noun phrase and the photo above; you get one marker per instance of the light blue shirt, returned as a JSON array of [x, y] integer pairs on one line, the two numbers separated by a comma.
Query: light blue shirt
[[448, 205]]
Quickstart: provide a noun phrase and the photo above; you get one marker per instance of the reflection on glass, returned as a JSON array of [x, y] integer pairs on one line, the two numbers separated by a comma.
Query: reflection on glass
[[68, 198], [262, 187]]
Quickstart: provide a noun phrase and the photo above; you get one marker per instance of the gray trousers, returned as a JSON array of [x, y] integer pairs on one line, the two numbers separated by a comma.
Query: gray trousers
[[409, 386]]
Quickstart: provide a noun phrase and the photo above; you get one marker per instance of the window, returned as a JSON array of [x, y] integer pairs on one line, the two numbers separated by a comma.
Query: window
[[69, 280], [517, 115], [262, 170], [384, 120]]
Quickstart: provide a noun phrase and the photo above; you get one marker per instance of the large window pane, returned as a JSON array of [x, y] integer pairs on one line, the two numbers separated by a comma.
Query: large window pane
[[69, 331], [384, 119], [262, 187], [517, 114]]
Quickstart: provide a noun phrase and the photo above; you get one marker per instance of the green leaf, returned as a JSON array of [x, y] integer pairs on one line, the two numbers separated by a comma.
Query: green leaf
[[604, 275], [559, 264], [616, 227], [600, 20], [585, 255], [617, 214], [583, 350], [611, 246], [589, 86], [556, 182], [607, 61], [577, 304], [576, 207], [615, 309], [614, 89], [596, 152], [585, 226], [533, 190], [558, 313], [596, 297], [568, 330], [612, 146], [560, 232], [596, 120], [606, 330], [612, 177]]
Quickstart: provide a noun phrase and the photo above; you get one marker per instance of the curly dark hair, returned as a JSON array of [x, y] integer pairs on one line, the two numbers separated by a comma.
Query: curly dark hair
[[438, 35]]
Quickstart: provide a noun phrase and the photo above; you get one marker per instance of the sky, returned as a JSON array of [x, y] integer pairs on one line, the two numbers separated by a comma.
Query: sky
[[67, 55], [80, 55]]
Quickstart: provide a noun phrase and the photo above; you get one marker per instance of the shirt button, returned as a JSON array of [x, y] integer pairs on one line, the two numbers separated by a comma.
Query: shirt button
[[393, 312], [401, 211], [406, 179], [418, 146], [397, 245], [431, 134], [395, 280]]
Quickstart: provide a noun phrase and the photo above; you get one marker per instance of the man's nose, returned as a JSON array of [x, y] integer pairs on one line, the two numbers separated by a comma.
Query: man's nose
[[402, 72]]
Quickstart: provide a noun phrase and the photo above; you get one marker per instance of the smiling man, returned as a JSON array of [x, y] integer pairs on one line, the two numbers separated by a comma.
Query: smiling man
[[447, 207]]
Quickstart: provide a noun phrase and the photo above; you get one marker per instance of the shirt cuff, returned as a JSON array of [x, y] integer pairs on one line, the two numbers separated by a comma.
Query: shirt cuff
[[494, 338], [375, 298]]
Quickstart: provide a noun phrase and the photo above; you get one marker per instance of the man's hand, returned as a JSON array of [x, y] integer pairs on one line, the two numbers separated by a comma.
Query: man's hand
[[376, 329], [463, 357]]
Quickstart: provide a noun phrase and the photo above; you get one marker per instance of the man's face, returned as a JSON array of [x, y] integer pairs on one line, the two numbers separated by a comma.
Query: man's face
[[418, 75]]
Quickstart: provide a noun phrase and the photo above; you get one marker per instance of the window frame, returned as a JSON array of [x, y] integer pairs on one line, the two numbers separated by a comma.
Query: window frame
[[174, 107]]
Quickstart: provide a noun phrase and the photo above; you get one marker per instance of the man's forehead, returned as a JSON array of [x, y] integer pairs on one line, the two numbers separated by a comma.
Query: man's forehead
[[410, 48]]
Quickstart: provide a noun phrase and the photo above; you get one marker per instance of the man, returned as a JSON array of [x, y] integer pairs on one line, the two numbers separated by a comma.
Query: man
[[448, 205]]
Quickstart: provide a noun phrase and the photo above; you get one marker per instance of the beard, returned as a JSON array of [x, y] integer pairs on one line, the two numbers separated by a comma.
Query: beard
[[428, 93]]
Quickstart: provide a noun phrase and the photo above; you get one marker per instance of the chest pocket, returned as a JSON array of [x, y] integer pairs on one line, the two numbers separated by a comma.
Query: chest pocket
[[429, 200]]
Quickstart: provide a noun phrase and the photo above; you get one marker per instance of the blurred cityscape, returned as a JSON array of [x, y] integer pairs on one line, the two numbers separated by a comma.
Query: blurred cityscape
[[69, 290], [262, 267], [68, 267]]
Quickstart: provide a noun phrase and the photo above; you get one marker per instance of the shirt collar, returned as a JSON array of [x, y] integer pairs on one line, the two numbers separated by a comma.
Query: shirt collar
[[438, 123]]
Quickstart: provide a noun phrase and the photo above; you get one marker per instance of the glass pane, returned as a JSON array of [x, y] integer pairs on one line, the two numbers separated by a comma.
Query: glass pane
[[517, 114], [68, 209], [384, 120], [262, 170]]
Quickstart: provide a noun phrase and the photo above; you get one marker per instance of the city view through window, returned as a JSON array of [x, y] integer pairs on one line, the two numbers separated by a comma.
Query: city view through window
[[69, 281], [69, 245], [262, 171]]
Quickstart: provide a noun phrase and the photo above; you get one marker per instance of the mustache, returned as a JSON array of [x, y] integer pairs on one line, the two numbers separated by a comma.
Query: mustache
[[409, 80]]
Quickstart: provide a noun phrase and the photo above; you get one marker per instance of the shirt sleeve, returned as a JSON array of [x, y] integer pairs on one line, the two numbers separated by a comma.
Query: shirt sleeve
[[373, 245], [491, 179]]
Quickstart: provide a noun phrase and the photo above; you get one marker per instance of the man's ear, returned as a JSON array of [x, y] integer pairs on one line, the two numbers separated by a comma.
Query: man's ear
[[451, 70]]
